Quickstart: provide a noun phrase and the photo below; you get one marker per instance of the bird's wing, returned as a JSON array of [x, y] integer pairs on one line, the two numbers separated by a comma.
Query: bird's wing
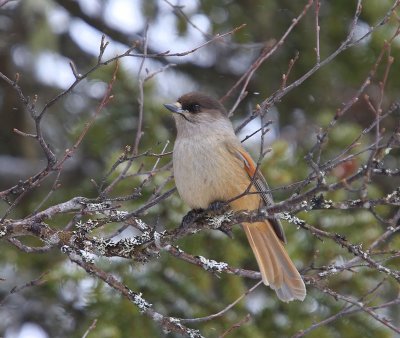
[[262, 187]]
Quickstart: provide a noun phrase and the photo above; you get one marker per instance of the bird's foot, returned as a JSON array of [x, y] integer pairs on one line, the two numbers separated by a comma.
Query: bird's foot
[[218, 206], [190, 217]]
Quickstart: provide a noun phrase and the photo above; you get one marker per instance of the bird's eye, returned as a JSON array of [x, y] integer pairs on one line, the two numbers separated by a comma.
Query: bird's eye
[[196, 108], [193, 107]]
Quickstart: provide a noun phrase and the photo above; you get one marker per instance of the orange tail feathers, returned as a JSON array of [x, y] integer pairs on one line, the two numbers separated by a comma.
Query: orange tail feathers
[[276, 267]]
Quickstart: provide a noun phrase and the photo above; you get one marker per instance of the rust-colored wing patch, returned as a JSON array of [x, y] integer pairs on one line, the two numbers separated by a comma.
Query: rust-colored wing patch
[[261, 185]]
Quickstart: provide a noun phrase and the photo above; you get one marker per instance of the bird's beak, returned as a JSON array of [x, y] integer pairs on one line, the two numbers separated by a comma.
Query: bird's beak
[[174, 107]]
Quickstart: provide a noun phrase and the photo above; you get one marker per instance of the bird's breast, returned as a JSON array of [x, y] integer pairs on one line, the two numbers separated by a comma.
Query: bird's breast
[[204, 171]]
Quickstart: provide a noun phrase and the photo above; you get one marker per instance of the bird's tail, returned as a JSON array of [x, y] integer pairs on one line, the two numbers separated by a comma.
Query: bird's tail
[[276, 267]]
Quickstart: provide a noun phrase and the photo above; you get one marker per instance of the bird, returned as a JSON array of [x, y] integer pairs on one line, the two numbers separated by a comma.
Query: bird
[[210, 165]]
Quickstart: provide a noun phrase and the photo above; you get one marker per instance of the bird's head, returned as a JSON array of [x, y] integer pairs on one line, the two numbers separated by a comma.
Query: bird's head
[[196, 111]]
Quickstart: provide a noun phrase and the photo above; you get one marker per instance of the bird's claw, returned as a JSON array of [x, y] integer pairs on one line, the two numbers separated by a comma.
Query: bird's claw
[[218, 206], [190, 217], [215, 207]]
